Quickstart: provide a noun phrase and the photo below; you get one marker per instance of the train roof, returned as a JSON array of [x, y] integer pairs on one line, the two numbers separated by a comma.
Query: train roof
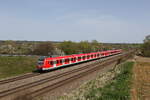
[[77, 55]]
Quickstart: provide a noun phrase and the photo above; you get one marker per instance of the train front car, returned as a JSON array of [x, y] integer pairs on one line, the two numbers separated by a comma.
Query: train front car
[[40, 63]]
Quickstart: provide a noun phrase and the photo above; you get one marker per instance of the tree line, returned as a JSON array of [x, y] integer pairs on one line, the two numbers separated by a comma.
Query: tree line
[[47, 48], [67, 48]]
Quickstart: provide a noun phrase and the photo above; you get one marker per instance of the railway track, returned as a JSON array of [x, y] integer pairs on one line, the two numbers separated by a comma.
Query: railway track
[[28, 75], [21, 77], [83, 72], [18, 78], [67, 80]]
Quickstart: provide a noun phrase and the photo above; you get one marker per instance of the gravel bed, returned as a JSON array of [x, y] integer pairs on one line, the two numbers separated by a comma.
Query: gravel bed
[[100, 81]]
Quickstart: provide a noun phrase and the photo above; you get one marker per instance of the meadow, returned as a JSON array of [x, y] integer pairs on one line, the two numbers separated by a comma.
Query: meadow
[[16, 65]]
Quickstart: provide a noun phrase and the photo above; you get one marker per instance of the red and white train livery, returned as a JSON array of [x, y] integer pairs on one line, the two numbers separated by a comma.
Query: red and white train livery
[[56, 62]]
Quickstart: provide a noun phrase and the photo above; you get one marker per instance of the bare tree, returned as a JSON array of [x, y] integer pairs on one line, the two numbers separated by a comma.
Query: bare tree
[[45, 49]]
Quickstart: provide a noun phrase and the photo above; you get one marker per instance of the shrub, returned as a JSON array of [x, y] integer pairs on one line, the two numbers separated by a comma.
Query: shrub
[[145, 48]]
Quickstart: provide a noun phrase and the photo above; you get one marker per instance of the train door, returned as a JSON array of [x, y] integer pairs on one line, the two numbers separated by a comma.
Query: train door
[[94, 55], [88, 56], [79, 58], [84, 57], [98, 55], [57, 63], [51, 63], [67, 61], [91, 56], [61, 63], [72, 60], [75, 59]]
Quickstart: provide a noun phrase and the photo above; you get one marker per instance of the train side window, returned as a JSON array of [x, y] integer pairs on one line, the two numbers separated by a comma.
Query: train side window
[[79, 58], [61, 61], [51, 62], [83, 57], [72, 59], [65, 60], [57, 61], [88, 56]]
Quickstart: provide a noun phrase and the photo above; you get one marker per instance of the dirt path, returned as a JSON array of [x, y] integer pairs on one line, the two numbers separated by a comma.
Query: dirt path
[[141, 79]]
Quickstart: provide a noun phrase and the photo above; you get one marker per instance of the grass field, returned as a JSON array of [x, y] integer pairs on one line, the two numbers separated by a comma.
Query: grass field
[[118, 89], [12, 66]]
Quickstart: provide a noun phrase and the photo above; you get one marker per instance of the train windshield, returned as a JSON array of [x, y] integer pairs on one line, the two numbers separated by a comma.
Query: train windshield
[[41, 61]]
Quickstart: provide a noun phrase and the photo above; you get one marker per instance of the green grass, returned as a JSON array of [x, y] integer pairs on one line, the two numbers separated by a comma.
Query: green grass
[[13, 66], [118, 89]]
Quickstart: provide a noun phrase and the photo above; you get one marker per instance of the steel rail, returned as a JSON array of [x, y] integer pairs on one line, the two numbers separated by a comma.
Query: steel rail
[[28, 75]]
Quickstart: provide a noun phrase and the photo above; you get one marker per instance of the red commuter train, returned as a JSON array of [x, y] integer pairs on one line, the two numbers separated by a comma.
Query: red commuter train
[[56, 62]]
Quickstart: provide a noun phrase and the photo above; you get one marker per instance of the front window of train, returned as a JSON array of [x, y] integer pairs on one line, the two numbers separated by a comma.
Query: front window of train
[[41, 61]]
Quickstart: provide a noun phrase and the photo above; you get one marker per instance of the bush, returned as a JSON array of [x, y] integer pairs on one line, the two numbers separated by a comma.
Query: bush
[[45, 49], [68, 47], [145, 49]]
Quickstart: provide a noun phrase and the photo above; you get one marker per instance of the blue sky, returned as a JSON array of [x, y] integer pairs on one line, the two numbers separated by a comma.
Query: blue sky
[[121, 21]]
